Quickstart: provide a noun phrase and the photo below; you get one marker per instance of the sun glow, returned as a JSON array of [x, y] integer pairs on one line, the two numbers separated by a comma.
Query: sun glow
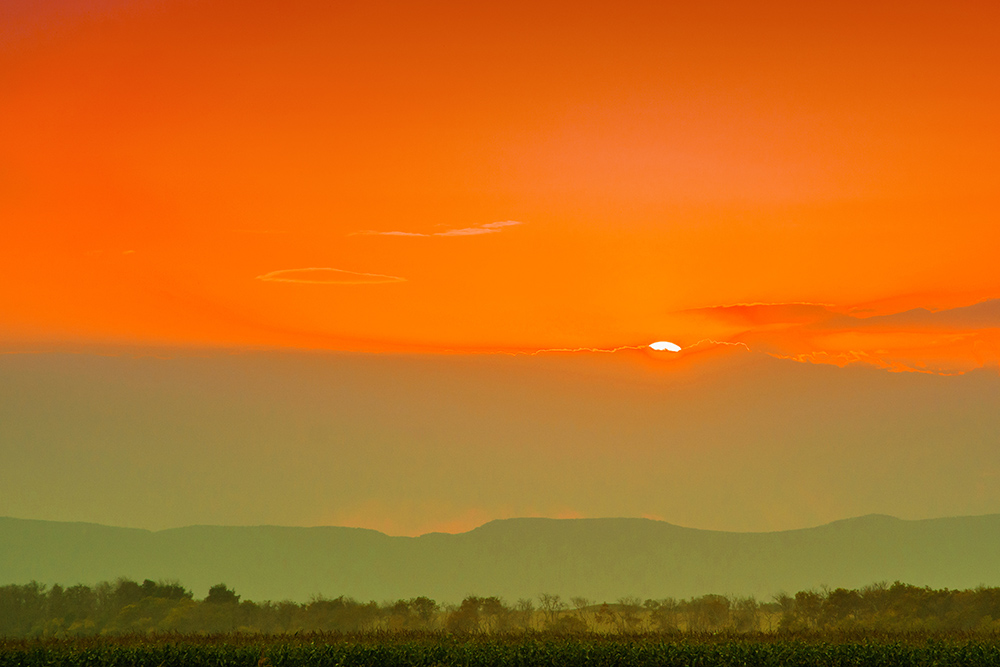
[[665, 345]]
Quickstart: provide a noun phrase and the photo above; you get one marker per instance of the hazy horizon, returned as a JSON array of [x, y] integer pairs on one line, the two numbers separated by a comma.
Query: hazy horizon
[[408, 444]]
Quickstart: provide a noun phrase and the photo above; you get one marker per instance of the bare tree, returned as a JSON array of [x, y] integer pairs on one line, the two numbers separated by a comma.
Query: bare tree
[[551, 606], [524, 612], [580, 605], [629, 614]]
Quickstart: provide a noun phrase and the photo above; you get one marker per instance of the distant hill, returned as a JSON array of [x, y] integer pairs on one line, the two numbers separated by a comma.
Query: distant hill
[[601, 559]]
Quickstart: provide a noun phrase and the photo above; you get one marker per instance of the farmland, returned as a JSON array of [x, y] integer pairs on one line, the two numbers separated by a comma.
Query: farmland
[[510, 650], [159, 624]]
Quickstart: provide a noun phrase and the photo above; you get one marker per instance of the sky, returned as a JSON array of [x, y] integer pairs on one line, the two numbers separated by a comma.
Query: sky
[[811, 183]]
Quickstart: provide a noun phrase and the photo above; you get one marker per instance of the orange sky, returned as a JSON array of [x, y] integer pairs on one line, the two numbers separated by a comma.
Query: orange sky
[[170, 168]]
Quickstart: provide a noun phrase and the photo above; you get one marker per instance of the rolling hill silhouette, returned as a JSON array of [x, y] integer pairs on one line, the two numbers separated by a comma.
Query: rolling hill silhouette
[[601, 559]]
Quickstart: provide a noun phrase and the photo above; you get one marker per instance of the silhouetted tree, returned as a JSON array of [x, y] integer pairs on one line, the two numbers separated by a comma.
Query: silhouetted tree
[[466, 617], [220, 594], [523, 614], [708, 613], [665, 615], [551, 606], [745, 614], [628, 614]]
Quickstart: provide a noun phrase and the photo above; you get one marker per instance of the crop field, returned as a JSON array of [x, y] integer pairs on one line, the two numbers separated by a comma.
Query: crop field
[[514, 650]]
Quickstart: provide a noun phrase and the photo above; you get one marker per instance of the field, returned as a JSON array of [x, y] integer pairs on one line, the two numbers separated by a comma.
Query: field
[[513, 650]]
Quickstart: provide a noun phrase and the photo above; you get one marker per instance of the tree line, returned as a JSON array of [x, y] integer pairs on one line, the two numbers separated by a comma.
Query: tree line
[[126, 606]]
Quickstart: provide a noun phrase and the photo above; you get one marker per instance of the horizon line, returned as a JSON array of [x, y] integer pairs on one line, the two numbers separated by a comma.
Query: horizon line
[[870, 515]]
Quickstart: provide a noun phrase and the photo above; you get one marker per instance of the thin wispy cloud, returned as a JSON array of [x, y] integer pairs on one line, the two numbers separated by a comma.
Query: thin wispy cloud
[[943, 342], [327, 276], [478, 230]]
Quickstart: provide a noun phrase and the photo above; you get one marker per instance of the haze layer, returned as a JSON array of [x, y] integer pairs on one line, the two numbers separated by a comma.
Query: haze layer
[[434, 442]]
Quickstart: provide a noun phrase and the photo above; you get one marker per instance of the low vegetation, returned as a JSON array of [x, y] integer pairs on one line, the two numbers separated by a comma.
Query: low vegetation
[[505, 649]]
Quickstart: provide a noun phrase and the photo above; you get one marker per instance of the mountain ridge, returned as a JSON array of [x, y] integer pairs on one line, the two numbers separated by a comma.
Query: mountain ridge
[[600, 559]]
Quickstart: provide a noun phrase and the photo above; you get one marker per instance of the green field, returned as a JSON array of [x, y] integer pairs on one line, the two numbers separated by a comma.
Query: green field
[[429, 649]]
